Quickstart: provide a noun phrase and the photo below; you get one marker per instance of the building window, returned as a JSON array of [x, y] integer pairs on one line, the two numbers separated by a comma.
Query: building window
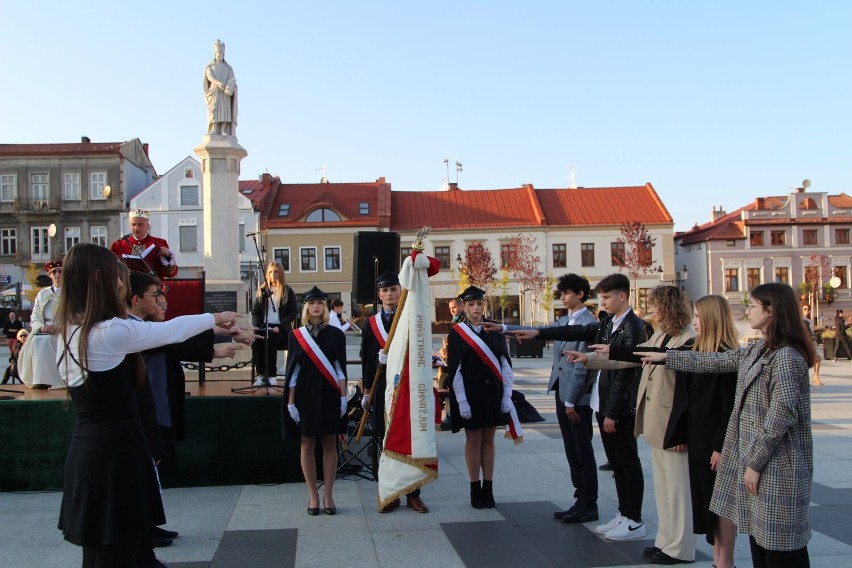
[[189, 195], [443, 256], [560, 256], [283, 209], [8, 241], [617, 253], [309, 259], [8, 187], [39, 244], [71, 186], [99, 235], [732, 280], [643, 299], [332, 258], [282, 255], [38, 183], [322, 216], [72, 237], [809, 236], [840, 272], [507, 253], [777, 238], [587, 254], [756, 238], [188, 238], [404, 252], [782, 275], [841, 236], [364, 208], [752, 277], [97, 183]]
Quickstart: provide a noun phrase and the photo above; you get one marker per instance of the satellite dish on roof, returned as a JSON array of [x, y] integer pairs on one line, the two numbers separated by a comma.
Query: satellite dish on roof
[[806, 183]]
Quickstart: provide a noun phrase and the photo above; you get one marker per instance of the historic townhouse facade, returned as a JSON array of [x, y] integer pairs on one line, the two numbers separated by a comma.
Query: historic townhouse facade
[[79, 189], [772, 239]]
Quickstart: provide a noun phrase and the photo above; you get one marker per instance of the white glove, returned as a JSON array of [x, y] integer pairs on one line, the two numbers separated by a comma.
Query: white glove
[[365, 400], [506, 404], [343, 403], [294, 412], [464, 410], [383, 359]]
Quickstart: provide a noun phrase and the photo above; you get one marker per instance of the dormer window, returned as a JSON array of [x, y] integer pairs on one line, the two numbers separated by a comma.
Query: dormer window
[[322, 216], [283, 209], [364, 208]]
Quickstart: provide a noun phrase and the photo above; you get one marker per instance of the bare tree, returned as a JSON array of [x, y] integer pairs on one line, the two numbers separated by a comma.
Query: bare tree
[[523, 262], [633, 253]]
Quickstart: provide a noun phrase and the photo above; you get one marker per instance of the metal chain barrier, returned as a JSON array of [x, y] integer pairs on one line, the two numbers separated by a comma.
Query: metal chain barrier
[[194, 367]]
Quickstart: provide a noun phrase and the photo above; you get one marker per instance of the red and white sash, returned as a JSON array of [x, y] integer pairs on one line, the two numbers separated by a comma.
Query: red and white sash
[[480, 348], [313, 350], [379, 329]]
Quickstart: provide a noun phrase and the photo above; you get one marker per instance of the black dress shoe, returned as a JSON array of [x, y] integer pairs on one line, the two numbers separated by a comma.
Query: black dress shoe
[[159, 541], [568, 511], [650, 551], [663, 558], [330, 510], [606, 467], [313, 511], [581, 516], [165, 533]]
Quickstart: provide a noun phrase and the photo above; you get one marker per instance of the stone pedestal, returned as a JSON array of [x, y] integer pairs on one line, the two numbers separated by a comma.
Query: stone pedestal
[[220, 157]]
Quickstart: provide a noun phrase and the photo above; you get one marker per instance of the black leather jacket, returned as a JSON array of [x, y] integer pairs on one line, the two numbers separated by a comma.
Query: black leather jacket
[[617, 388]]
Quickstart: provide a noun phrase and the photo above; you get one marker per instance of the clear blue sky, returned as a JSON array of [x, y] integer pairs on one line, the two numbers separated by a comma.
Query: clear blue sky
[[712, 102]]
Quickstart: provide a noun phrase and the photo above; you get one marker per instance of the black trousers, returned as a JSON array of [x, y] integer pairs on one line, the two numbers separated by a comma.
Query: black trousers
[[762, 558], [623, 455], [109, 556], [842, 341], [577, 439], [264, 363]]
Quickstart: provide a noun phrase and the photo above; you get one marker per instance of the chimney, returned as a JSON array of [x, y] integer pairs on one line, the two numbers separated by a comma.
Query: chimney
[[265, 178], [717, 214], [145, 148], [85, 140], [758, 203], [452, 186]]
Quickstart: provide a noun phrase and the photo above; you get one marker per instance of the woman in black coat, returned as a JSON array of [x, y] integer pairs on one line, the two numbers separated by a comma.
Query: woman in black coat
[[274, 311], [316, 395]]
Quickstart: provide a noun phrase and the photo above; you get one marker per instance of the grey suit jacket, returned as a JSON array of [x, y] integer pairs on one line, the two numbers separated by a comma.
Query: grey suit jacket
[[568, 377]]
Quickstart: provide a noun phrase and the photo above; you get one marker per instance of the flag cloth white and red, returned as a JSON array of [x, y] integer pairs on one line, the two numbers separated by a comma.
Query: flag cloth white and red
[[409, 458]]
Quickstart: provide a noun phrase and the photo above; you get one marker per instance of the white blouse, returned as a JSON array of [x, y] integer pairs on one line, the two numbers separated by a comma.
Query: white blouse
[[111, 340]]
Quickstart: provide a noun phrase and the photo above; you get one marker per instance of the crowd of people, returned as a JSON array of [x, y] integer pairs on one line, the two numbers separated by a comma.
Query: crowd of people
[[728, 426]]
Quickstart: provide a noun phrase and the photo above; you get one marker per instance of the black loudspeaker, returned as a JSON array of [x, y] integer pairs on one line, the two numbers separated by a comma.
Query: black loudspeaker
[[372, 248]]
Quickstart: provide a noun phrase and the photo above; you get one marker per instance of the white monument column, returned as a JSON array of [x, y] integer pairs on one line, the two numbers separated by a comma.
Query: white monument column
[[220, 155]]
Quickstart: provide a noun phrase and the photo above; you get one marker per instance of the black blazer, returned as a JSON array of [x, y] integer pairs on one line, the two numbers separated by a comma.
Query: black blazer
[[618, 387], [287, 313]]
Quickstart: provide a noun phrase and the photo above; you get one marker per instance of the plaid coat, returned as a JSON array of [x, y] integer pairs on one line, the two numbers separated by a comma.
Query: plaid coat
[[769, 431]]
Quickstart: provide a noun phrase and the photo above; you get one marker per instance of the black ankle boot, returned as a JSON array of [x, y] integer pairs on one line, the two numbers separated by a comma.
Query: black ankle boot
[[476, 495], [487, 493]]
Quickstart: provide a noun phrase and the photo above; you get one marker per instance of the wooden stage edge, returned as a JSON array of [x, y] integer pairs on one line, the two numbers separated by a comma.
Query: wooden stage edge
[[211, 388]]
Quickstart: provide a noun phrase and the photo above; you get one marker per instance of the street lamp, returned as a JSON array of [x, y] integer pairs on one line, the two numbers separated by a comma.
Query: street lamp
[[459, 262]]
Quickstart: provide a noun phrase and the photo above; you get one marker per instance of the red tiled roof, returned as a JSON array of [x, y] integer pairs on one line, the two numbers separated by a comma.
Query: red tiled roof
[[841, 201], [728, 227], [464, 209], [526, 206], [343, 198], [24, 150], [603, 206]]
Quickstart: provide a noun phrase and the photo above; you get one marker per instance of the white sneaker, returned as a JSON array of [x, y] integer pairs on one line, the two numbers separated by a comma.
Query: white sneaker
[[273, 381], [260, 381], [627, 530], [603, 529]]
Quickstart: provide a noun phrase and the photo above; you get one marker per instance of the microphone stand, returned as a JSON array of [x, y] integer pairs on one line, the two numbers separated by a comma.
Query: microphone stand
[[266, 303]]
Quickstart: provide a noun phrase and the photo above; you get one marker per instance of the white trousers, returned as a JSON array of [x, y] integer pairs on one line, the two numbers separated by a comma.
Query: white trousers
[[674, 504]]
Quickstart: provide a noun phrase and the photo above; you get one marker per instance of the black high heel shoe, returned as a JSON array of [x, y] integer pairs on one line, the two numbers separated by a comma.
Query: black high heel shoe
[[313, 511], [330, 510]]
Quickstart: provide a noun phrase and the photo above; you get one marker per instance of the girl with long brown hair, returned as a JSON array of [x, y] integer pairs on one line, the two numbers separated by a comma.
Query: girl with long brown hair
[[763, 482], [272, 314], [109, 479]]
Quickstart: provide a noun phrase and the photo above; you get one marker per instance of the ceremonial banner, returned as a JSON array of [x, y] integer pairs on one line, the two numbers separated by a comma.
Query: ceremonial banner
[[410, 458]]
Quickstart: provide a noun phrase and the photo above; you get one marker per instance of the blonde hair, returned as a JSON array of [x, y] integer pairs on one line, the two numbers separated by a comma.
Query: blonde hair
[[673, 310], [717, 325], [277, 291], [306, 317]]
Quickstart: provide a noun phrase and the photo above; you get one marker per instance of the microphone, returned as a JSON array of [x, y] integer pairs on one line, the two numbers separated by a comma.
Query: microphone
[[253, 234]]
